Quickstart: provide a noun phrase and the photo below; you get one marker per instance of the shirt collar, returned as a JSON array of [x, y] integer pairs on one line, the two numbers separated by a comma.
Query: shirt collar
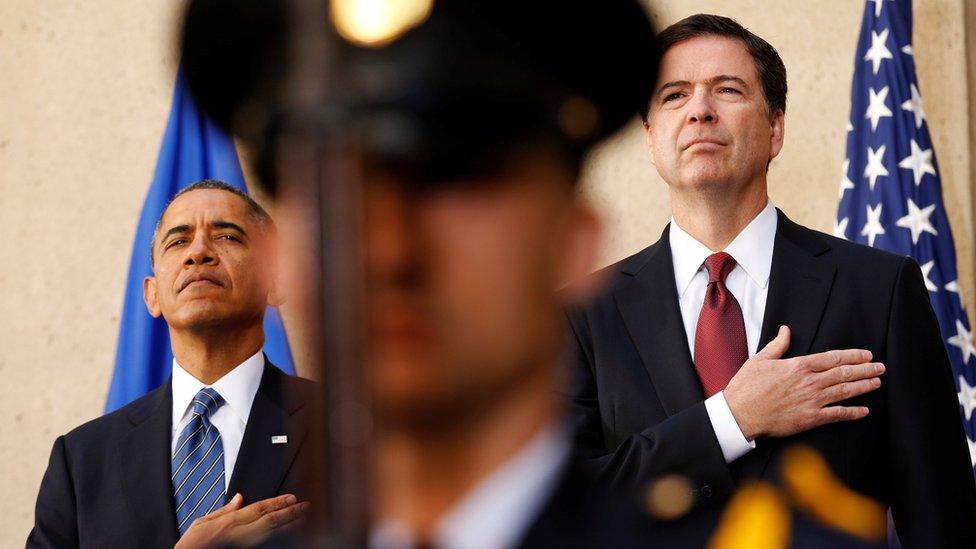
[[500, 508], [752, 250], [237, 387], [687, 255]]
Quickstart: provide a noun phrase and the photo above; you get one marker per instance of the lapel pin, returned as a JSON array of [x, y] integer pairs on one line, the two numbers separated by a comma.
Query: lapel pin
[[279, 439]]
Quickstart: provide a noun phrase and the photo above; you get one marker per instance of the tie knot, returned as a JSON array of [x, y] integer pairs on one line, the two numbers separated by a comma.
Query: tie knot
[[206, 402], [719, 266]]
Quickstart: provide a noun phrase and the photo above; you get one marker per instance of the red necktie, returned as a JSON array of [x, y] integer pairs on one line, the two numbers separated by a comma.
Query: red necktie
[[720, 340]]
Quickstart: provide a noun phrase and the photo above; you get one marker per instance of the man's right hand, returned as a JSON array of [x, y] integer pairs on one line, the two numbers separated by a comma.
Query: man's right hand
[[771, 396], [243, 526]]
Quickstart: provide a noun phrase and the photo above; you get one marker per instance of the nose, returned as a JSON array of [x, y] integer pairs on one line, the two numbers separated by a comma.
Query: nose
[[391, 235], [200, 252], [700, 109]]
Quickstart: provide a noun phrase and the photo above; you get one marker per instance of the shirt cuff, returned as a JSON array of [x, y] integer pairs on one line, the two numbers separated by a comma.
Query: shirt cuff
[[730, 438]]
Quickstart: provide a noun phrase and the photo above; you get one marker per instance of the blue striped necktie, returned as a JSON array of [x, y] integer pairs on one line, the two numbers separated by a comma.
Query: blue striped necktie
[[198, 463]]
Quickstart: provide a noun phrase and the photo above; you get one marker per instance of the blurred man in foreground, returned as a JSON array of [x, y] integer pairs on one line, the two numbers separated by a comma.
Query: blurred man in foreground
[[464, 330], [464, 344], [472, 220], [208, 458], [663, 356]]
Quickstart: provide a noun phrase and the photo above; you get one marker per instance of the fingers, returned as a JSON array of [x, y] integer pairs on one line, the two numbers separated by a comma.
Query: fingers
[[851, 372], [844, 391], [775, 348], [289, 516], [833, 414], [283, 517], [821, 362], [232, 505], [261, 508]]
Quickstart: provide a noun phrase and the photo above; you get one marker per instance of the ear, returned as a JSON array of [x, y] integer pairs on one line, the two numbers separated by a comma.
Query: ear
[[269, 250], [648, 141], [275, 296], [149, 295], [777, 125], [579, 257]]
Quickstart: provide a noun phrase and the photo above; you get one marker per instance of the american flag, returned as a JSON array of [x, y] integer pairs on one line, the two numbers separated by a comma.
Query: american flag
[[890, 194]]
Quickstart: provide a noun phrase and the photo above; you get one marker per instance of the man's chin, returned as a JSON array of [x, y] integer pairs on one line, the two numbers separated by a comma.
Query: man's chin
[[200, 318], [413, 395], [420, 412], [402, 390], [707, 177]]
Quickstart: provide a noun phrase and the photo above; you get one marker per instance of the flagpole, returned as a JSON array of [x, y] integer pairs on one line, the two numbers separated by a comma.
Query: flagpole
[[317, 158]]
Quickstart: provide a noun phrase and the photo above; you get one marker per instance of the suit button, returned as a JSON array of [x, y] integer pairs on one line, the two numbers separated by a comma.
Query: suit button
[[706, 491]]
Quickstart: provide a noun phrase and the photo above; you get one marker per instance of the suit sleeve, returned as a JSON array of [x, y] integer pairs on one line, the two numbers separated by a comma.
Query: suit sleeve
[[933, 496], [682, 444], [55, 515]]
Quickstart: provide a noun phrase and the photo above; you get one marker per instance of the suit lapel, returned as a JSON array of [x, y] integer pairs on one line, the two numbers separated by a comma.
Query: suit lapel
[[145, 470], [261, 466], [799, 285], [649, 307]]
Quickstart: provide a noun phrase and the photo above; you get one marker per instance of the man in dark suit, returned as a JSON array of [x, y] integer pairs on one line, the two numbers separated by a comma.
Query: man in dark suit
[[213, 454], [662, 357]]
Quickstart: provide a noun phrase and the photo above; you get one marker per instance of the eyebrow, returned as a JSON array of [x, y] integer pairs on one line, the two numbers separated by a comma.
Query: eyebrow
[[228, 225], [219, 224], [175, 230], [711, 81]]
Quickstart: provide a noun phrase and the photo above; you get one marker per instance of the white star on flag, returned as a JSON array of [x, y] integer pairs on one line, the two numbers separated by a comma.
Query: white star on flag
[[914, 106], [964, 341], [953, 287], [967, 397], [850, 127], [926, 269], [873, 226], [876, 106], [920, 162], [972, 451], [917, 220], [877, 7], [875, 166], [845, 183], [907, 50], [840, 228], [878, 50]]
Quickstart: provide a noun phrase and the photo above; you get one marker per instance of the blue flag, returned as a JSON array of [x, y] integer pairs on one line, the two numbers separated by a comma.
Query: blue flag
[[193, 149], [891, 195]]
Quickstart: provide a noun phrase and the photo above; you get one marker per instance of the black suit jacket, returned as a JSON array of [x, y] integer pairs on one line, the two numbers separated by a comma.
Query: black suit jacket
[[582, 513], [108, 482], [639, 406]]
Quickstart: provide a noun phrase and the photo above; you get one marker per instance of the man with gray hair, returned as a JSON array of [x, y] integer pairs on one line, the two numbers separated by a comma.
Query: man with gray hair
[[740, 332]]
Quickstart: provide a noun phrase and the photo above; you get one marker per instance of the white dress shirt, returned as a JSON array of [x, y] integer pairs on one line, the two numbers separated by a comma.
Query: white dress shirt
[[748, 281], [237, 388], [498, 511]]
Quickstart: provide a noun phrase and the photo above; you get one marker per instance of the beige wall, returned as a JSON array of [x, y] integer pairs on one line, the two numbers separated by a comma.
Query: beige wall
[[84, 93]]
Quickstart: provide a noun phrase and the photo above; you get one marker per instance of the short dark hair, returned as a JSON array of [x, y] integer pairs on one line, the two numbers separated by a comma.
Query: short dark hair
[[769, 65], [264, 220]]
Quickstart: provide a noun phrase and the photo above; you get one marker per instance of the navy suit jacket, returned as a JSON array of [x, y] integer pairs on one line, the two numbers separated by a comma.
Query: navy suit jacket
[[108, 481], [639, 406]]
